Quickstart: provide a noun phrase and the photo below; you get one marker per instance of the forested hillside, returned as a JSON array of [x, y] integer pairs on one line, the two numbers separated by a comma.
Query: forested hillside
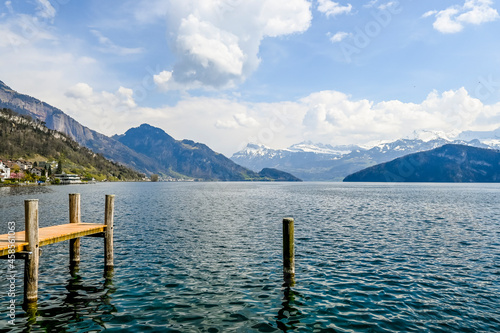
[[24, 138]]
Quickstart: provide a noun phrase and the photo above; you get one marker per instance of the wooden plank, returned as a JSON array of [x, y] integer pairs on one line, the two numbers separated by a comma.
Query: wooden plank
[[51, 235]]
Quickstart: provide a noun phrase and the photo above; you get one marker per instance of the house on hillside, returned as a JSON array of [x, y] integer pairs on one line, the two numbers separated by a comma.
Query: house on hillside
[[4, 171], [37, 171], [12, 165], [24, 165]]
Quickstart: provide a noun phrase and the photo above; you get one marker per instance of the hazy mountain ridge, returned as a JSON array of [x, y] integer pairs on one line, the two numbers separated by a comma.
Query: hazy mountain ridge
[[448, 163], [341, 161]]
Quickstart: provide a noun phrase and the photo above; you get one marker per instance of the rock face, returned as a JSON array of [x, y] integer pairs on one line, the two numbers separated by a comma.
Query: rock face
[[57, 120], [21, 137], [449, 163]]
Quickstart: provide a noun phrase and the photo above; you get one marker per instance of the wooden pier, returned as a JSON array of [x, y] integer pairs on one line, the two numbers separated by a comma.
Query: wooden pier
[[26, 244]]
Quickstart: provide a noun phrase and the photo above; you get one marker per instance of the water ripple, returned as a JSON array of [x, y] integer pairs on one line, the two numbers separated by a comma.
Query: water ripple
[[206, 257]]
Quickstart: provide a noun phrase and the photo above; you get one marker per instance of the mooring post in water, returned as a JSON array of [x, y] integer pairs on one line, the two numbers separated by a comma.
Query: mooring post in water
[[288, 250], [75, 216], [33, 249], [108, 238]]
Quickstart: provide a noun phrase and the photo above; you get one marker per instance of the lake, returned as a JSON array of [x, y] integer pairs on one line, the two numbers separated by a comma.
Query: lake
[[206, 257]]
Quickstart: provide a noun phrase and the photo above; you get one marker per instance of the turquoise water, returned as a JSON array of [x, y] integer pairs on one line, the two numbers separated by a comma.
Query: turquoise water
[[206, 257]]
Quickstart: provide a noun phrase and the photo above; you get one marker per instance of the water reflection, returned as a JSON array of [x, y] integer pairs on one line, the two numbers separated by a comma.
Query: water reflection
[[81, 300], [288, 317], [24, 190]]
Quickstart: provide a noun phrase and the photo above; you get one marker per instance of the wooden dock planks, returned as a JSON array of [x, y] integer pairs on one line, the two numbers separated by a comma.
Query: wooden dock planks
[[51, 235]]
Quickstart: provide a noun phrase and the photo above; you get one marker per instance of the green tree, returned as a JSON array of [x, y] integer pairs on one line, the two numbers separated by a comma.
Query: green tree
[[59, 167], [154, 178]]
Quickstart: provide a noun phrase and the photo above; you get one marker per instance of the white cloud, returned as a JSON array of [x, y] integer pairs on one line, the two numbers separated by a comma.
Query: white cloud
[[8, 5], [226, 124], [45, 9], [80, 90], [162, 78], [477, 12], [370, 4], [339, 36], [217, 42], [453, 19], [326, 116], [386, 5], [244, 120], [126, 97], [330, 8], [332, 117], [109, 47], [210, 47], [430, 13]]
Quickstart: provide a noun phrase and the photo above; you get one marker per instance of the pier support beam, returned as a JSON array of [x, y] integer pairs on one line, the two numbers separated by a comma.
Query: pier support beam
[[288, 251], [108, 238], [75, 216], [32, 259]]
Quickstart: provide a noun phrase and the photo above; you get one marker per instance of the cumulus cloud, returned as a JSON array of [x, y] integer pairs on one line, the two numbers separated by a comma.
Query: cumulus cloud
[[107, 46], [80, 90], [326, 116], [334, 117], [330, 8], [217, 43], [339, 36], [453, 19], [85, 94], [162, 78], [237, 121]]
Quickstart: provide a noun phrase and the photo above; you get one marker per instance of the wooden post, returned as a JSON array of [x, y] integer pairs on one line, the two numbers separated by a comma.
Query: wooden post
[[32, 259], [288, 250], [108, 239], [75, 216]]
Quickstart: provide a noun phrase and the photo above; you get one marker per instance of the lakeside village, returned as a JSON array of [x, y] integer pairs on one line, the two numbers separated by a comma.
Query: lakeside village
[[20, 172]]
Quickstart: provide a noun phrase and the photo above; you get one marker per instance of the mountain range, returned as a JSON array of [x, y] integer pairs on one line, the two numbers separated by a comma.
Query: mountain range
[[319, 162], [146, 149], [187, 157], [150, 150], [448, 163]]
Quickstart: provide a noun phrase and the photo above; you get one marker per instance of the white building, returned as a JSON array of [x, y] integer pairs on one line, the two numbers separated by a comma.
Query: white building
[[67, 179], [4, 171]]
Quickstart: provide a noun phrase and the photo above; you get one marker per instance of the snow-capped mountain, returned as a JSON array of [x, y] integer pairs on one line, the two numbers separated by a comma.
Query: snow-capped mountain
[[319, 148], [427, 135], [300, 157], [490, 138], [312, 161]]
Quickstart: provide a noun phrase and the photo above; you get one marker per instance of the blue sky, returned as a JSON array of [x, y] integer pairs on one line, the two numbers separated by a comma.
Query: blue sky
[[275, 72]]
